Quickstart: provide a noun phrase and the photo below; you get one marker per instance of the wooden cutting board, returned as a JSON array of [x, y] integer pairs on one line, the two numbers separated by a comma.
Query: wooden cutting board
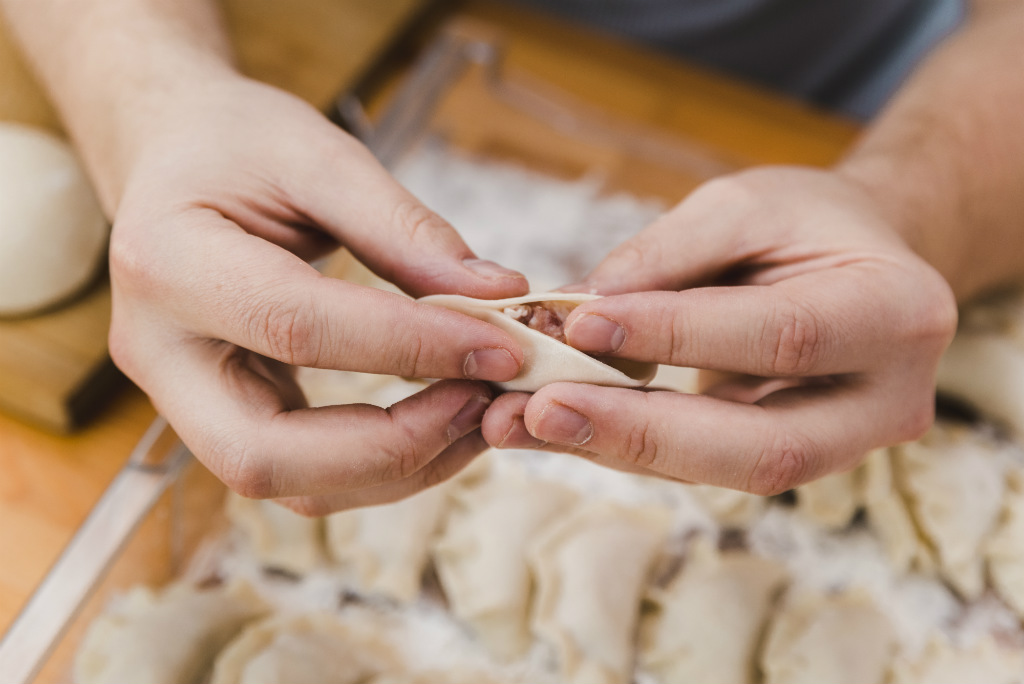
[[54, 368]]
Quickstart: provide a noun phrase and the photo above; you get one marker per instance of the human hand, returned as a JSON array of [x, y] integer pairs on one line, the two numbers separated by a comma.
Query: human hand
[[227, 193], [822, 330]]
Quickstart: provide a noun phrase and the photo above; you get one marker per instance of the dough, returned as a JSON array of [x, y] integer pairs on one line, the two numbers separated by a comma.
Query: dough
[[710, 619], [940, 663], [730, 507], [165, 637], [481, 555], [53, 235], [277, 536], [890, 518], [831, 501], [384, 549], [547, 360], [954, 479], [591, 569], [1005, 550], [304, 649], [828, 639]]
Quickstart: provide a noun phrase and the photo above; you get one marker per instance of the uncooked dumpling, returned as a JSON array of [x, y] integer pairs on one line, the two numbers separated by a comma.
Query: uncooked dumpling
[[890, 518], [834, 639], [53, 235], [730, 507], [304, 649], [384, 549], [950, 466], [166, 637], [279, 538], [941, 663], [1005, 550], [481, 555], [535, 321], [591, 569], [832, 500], [711, 617]]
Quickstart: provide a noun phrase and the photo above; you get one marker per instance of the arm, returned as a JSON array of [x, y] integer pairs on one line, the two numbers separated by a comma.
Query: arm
[[819, 300], [945, 161], [221, 188]]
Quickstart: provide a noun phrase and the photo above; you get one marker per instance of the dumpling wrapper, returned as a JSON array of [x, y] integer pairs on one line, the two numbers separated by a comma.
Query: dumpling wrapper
[[986, 662], [304, 649], [1005, 549], [592, 568], [279, 538], [829, 639], [481, 555], [166, 637], [545, 359], [385, 549], [711, 618]]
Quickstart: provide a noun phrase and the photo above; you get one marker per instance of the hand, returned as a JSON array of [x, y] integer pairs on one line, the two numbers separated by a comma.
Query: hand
[[822, 328], [232, 190]]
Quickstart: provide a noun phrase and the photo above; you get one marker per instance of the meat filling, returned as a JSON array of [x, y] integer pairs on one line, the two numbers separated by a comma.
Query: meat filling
[[544, 317]]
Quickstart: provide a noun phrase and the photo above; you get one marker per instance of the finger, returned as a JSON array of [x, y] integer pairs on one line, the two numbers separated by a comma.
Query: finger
[[802, 326], [272, 302], [704, 236], [226, 404], [503, 425], [358, 202], [789, 438], [446, 465]]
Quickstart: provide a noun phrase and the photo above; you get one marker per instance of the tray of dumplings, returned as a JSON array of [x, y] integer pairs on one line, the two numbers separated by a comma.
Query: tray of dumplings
[[540, 567]]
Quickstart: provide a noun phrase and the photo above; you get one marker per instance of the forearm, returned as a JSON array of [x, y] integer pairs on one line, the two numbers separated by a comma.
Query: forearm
[[112, 66], [945, 161]]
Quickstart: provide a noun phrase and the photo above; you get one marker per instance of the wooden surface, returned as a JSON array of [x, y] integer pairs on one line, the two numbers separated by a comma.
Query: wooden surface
[[47, 484]]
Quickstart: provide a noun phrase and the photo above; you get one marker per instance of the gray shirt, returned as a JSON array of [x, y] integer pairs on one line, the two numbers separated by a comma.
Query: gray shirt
[[847, 55]]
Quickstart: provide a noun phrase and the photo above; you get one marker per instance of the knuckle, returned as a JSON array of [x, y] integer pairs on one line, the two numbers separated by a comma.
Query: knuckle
[[402, 454], [417, 221], [640, 447], [129, 263], [782, 464], [409, 360], [288, 332], [244, 472], [794, 346]]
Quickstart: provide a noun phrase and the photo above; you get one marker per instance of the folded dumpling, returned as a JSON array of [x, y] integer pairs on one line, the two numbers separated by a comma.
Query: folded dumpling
[[710, 618], [890, 517], [304, 649], [828, 639], [592, 570], [952, 465], [536, 321], [1005, 549], [833, 500], [481, 555], [985, 662], [164, 637], [385, 549], [279, 538]]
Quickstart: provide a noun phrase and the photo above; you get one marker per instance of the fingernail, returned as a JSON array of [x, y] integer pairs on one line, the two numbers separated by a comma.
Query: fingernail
[[518, 437], [559, 423], [490, 364], [468, 418], [489, 269], [595, 333]]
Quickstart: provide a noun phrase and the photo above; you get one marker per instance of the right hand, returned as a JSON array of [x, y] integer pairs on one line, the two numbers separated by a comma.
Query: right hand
[[230, 193]]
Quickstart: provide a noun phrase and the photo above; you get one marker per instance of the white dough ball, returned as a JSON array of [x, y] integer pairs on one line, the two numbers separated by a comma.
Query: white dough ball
[[53, 235]]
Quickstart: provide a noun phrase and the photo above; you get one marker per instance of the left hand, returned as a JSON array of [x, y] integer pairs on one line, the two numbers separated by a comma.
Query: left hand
[[823, 330]]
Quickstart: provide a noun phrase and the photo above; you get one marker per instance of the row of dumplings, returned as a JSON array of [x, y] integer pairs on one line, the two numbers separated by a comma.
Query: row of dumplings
[[523, 563]]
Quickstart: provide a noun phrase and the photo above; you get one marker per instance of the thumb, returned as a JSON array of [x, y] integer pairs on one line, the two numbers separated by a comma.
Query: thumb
[[692, 245], [395, 235]]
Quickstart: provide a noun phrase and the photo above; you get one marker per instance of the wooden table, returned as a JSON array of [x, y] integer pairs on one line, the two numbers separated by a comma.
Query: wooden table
[[314, 47]]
